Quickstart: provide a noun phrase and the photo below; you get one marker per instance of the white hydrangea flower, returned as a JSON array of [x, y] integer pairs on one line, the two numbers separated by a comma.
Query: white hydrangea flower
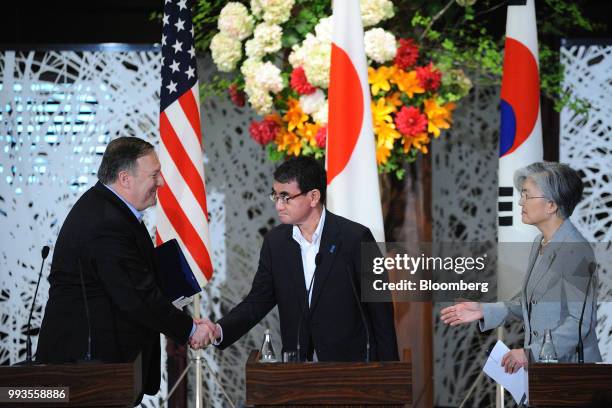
[[268, 37], [314, 54], [313, 102], [380, 45], [465, 3], [226, 51], [323, 29], [235, 21], [299, 53], [250, 67], [375, 11], [256, 8], [317, 62], [272, 11], [268, 76], [320, 116], [259, 99], [254, 49]]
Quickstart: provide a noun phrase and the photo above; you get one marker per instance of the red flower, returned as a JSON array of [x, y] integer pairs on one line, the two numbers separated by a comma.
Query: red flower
[[410, 121], [321, 136], [429, 77], [407, 53], [265, 131], [300, 83], [236, 95]]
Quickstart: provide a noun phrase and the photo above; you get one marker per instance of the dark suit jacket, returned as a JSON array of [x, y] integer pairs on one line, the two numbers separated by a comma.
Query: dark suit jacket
[[333, 322], [126, 307]]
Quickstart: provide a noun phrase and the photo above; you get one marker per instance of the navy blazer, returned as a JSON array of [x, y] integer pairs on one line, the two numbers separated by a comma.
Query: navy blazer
[[333, 322], [126, 306]]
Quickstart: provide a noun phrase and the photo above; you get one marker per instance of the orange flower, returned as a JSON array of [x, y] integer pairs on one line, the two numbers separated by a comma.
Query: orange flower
[[408, 82], [382, 154], [294, 117], [275, 117], [418, 141], [289, 142], [439, 117], [395, 99], [309, 133], [379, 78]]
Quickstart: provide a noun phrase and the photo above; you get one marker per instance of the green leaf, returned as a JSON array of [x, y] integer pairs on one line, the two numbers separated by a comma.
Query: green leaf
[[273, 154]]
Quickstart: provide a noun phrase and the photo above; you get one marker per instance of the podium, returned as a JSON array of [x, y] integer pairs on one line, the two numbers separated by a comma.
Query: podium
[[328, 383], [569, 385], [90, 384]]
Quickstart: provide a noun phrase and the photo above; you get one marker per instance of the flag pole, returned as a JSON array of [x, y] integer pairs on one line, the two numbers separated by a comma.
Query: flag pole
[[199, 397]]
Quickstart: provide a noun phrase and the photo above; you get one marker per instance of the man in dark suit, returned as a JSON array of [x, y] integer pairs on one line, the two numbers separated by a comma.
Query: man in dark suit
[[104, 245], [310, 267]]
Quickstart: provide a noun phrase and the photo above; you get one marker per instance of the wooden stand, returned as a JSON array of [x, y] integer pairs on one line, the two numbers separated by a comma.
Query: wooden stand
[[326, 383], [569, 385], [90, 384]]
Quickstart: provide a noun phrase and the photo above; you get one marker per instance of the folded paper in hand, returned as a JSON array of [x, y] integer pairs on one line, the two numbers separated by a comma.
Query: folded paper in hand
[[178, 281], [514, 383]]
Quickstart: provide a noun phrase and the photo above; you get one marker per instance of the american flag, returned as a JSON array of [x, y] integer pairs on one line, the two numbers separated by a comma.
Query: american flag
[[182, 211]]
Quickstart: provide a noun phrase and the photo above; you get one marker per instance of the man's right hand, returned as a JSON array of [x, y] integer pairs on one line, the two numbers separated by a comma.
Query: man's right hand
[[461, 313], [206, 333]]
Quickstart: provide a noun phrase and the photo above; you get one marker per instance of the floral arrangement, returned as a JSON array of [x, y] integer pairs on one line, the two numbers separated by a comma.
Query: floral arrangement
[[285, 79]]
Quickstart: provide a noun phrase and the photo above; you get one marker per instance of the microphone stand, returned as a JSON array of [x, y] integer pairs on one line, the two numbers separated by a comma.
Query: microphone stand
[[44, 254], [306, 306], [199, 362], [580, 346], [363, 318]]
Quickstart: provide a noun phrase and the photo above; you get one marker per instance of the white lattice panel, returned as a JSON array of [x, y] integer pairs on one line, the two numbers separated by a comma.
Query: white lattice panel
[[586, 144]]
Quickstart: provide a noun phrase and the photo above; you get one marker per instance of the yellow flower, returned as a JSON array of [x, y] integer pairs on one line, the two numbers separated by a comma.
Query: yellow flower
[[438, 117], [385, 139], [408, 82], [418, 141], [379, 78], [294, 117], [386, 134], [381, 111], [309, 133], [289, 142]]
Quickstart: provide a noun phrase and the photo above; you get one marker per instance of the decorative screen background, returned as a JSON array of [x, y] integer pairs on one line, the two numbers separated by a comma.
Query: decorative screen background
[[59, 109]]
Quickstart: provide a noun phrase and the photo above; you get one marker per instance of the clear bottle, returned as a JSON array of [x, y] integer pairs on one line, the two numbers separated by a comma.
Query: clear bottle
[[266, 353], [548, 354]]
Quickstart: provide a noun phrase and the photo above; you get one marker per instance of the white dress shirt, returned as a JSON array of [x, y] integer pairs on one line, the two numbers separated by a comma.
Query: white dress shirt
[[309, 252]]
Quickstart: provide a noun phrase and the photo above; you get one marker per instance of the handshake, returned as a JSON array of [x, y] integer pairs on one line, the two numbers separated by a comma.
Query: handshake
[[206, 332]]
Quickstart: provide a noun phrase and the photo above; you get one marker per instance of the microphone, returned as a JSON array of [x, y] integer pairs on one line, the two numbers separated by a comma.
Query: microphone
[[363, 318], [88, 353], [44, 253], [580, 346], [306, 305]]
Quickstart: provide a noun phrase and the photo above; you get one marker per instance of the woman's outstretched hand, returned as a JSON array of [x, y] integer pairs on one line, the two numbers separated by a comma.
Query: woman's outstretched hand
[[461, 313]]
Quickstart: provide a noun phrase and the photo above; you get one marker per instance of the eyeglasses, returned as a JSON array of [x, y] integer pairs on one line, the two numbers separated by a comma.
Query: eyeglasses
[[284, 198], [525, 197]]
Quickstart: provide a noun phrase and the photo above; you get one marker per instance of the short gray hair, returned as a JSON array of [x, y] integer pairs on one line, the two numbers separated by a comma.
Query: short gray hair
[[557, 181], [120, 155]]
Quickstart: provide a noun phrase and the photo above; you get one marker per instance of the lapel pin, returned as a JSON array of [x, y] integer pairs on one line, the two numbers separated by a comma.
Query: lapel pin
[[332, 248]]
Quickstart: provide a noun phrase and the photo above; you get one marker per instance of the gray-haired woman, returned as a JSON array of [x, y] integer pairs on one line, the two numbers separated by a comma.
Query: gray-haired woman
[[560, 264]]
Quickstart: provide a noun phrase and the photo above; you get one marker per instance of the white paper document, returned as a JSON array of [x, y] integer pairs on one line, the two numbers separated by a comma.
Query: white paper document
[[514, 383]]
